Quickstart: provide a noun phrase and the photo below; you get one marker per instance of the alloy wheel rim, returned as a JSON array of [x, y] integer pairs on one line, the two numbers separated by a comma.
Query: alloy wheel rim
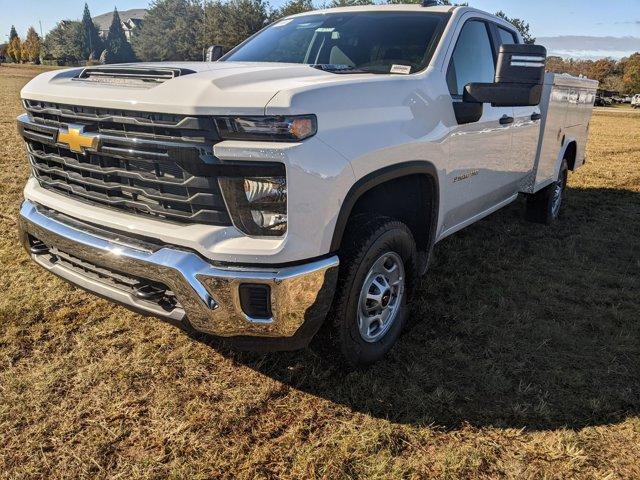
[[556, 201], [381, 297]]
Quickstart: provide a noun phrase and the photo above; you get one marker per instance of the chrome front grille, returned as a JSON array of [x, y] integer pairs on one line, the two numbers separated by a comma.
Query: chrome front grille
[[160, 165]]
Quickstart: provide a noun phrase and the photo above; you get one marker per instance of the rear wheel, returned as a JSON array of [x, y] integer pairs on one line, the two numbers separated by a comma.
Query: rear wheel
[[544, 206], [377, 270]]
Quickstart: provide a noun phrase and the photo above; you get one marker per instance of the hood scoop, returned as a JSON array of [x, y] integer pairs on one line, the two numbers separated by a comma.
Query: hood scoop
[[131, 76]]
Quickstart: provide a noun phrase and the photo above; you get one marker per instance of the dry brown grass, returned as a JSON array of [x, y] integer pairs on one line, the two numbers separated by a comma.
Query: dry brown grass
[[522, 361]]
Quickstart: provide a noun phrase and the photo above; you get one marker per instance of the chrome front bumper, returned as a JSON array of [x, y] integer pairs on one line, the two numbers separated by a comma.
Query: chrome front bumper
[[207, 295]]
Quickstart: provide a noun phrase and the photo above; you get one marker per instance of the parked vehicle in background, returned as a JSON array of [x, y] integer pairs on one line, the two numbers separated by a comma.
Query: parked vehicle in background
[[601, 101], [306, 175], [635, 101]]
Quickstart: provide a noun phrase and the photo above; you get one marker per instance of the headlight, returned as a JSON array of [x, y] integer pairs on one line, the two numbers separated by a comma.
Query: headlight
[[271, 128], [257, 205]]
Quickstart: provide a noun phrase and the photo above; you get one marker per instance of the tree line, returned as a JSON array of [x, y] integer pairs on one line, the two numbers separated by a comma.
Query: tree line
[[172, 30], [17, 50], [176, 30], [180, 29], [70, 42], [618, 76]]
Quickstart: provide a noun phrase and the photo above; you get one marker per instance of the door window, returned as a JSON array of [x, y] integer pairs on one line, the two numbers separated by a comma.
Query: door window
[[506, 37], [472, 59]]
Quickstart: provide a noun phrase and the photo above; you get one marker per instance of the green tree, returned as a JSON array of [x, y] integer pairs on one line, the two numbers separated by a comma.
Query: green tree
[[521, 26], [601, 69], [440, 2], [230, 23], [172, 30], [117, 46], [292, 7], [215, 28], [64, 42], [31, 46], [351, 3], [92, 43], [15, 50], [11, 45], [631, 77], [613, 83]]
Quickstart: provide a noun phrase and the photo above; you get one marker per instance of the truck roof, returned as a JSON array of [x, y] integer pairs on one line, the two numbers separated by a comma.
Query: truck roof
[[404, 7], [382, 8]]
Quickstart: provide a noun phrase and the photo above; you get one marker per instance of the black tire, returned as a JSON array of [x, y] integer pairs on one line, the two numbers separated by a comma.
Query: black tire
[[367, 242], [541, 206]]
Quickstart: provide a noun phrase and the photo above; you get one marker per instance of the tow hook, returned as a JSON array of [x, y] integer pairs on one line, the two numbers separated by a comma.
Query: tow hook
[[38, 248], [149, 292]]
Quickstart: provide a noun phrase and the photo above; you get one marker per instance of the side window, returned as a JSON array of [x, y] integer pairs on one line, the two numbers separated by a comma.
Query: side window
[[506, 37], [472, 59]]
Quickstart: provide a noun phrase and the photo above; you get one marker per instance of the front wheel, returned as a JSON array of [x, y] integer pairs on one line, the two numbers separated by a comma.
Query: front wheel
[[378, 267]]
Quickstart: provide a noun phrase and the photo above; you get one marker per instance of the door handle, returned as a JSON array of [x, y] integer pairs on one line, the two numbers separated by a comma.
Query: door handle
[[535, 116], [506, 120]]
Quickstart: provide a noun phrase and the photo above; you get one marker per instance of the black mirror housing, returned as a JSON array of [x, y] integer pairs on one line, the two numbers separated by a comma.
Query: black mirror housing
[[503, 94], [521, 64], [214, 53], [518, 81], [468, 112]]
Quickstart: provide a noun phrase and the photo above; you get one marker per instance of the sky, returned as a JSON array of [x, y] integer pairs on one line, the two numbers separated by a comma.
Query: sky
[[548, 18]]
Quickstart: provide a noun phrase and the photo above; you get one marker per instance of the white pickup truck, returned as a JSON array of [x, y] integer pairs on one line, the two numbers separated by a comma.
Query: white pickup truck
[[306, 175]]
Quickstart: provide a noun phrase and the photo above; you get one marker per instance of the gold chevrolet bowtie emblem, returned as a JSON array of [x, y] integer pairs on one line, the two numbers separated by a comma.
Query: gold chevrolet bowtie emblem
[[77, 139]]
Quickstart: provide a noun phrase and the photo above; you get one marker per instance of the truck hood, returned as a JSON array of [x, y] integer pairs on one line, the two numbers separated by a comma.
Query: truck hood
[[218, 88]]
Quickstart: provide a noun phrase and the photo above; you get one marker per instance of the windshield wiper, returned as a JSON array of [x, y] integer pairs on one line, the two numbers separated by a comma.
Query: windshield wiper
[[338, 68]]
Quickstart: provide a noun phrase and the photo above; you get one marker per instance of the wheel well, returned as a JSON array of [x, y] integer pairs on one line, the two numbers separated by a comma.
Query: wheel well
[[410, 199], [570, 155]]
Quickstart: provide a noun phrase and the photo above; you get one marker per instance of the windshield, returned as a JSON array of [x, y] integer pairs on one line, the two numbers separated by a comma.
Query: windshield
[[366, 41]]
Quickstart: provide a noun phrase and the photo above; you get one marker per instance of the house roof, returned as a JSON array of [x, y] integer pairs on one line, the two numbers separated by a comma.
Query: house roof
[[103, 22]]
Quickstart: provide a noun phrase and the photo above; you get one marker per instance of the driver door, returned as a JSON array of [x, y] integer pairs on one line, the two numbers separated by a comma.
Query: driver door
[[478, 173]]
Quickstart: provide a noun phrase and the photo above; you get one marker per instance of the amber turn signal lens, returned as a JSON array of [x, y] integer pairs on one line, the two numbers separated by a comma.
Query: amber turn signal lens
[[302, 128]]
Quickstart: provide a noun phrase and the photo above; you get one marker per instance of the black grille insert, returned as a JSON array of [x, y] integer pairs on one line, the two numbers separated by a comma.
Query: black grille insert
[[151, 164], [255, 300]]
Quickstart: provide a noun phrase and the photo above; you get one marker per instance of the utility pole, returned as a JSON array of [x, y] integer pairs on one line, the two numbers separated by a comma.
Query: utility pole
[[204, 29], [88, 33], [40, 22]]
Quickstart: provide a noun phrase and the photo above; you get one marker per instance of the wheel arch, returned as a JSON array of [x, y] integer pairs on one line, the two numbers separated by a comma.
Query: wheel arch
[[570, 153], [379, 178]]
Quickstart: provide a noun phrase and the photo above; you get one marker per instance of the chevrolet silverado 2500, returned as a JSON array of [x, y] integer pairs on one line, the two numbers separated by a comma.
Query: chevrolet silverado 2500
[[304, 176]]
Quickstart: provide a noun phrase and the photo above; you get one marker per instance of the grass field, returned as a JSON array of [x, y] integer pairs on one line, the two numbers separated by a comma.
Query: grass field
[[522, 359]]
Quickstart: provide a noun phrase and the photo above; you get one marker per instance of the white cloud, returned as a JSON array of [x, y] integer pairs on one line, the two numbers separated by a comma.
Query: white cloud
[[590, 54], [590, 47]]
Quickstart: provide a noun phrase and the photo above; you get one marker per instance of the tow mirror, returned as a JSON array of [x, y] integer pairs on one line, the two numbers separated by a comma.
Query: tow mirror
[[214, 52], [519, 78]]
